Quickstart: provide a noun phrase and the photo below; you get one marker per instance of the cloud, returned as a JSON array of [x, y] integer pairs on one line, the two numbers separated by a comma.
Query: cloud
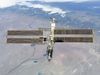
[[49, 9], [8, 3], [46, 8]]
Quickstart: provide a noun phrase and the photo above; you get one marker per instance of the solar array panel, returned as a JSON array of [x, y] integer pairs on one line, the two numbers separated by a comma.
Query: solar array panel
[[25, 32], [73, 31], [73, 39], [25, 40]]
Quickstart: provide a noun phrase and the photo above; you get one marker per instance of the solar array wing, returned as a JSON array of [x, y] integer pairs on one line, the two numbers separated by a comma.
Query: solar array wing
[[73, 39], [25, 32], [25, 40], [74, 35], [73, 31], [25, 36]]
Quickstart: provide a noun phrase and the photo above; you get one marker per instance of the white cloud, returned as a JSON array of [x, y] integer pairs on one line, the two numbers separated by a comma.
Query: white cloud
[[26, 4], [7, 3], [49, 9], [46, 8]]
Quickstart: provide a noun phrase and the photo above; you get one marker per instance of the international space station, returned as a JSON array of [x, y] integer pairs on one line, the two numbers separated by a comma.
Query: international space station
[[50, 36]]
